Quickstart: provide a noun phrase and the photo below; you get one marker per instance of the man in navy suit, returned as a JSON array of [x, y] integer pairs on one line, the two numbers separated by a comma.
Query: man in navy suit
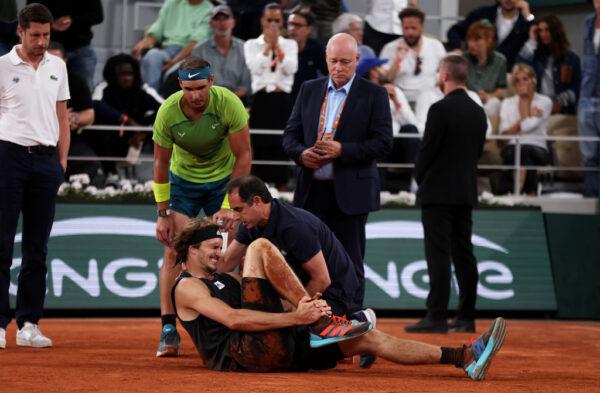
[[339, 127]]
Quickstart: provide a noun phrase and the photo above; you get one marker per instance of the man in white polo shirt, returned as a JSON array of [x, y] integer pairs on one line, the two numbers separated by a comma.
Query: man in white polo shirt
[[34, 141]]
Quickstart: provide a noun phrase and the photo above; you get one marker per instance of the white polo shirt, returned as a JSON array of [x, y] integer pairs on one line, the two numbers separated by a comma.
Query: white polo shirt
[[28, 99]]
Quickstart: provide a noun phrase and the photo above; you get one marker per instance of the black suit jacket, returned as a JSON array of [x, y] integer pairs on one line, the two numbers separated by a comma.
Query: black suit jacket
[[446, 167], [365, 132], [511, 45]]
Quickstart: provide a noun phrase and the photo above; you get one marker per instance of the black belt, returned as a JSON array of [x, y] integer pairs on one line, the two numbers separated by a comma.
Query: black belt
[[38, 150]]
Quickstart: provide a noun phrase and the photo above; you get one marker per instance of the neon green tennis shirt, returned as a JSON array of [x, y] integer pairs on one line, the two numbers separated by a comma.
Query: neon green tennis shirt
[[201, 151]]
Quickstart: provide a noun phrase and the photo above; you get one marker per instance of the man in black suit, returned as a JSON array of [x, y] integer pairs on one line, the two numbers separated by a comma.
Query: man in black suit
[[446, 171], [339, 127], [512, 19]]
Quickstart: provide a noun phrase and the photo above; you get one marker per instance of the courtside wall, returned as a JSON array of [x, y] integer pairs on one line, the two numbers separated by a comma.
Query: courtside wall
[[105, 256]]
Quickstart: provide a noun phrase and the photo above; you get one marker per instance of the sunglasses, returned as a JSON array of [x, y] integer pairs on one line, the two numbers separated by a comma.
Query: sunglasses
[[418, 65]]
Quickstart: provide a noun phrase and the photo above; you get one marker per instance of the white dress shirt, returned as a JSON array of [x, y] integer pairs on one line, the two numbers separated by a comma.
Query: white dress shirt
[[260, 65]]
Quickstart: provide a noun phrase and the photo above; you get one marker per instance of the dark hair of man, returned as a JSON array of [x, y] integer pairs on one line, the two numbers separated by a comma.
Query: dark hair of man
[[272, 6], [193, 62], [559, 43], [456, 67], [34, 13], [248, 187], [54, 45], [110, 71], [184, 238], [304, 12], [411, 12]]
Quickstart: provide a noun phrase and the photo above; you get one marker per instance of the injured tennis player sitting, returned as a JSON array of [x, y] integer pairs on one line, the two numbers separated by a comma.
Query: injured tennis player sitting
[[239, 323]]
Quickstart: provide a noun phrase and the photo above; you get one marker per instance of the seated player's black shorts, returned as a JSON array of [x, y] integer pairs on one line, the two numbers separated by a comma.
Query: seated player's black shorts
[[276, 350]]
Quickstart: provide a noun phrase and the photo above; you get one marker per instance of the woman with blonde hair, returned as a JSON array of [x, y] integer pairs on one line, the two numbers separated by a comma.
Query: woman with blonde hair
[[526, 114]]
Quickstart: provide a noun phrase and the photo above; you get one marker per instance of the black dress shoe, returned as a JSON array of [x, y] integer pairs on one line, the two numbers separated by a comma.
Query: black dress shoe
[[462, 326], [428, 325]]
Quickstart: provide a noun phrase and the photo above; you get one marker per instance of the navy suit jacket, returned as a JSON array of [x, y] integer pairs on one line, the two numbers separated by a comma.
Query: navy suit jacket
[[365, 132]]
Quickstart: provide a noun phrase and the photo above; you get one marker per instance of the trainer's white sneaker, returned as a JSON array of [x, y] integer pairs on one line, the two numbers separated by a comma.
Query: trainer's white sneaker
[[31, 336], [2, 338]]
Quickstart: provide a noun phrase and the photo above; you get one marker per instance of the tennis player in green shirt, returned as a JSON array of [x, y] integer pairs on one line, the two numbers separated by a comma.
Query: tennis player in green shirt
[[201, 140]]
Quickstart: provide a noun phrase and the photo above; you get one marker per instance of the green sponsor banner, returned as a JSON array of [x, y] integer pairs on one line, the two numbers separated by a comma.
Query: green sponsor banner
[[510, 247], [106, 256]]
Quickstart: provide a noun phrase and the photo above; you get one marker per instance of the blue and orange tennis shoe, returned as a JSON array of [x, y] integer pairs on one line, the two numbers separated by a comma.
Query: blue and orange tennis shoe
[[169, 342], [480, 353], [334, 329]]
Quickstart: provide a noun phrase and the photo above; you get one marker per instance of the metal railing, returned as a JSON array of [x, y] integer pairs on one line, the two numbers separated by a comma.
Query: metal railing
[[516, 167]]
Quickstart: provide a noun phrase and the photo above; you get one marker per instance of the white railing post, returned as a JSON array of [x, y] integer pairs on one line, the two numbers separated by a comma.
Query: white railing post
[[124, 21], [517, 177]]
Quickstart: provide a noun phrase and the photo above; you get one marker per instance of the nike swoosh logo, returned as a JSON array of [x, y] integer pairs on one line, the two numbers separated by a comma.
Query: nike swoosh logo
[[181, 133], [193, 75], [214, 126]]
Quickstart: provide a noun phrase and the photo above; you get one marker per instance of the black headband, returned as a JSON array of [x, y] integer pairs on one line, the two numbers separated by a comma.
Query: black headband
[[209, 232]]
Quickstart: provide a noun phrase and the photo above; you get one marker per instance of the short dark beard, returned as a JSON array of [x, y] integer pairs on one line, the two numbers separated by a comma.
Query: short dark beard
[[413, 44]]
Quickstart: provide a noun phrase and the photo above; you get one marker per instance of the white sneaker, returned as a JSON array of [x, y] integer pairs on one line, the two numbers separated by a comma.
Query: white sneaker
[[31, 336], [2, 338]]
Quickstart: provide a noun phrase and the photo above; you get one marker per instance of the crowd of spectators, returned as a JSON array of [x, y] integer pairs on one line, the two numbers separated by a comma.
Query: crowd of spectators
[[521, 70]]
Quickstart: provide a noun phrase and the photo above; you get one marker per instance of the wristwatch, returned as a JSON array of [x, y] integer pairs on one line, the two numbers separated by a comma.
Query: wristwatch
[[164, 212]]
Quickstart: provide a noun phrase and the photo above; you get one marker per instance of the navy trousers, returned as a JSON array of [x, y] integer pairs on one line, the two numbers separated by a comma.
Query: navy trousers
[[29, 180], [349, 229]]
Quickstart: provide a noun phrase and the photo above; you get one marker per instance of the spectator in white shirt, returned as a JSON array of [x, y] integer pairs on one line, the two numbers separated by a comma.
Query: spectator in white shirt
[[526, 113], [272, 61], [382, 24], [414, 58]]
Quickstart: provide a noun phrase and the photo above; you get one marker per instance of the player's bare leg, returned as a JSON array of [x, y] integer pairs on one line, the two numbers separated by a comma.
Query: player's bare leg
[[169, 342], [263, 260], [474, 358]]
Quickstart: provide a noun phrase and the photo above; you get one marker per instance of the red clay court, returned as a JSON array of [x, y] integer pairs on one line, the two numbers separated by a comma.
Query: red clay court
[[109, 355]]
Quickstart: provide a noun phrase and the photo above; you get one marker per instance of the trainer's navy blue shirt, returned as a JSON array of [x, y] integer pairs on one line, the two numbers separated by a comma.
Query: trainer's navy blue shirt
[[300, 235]]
